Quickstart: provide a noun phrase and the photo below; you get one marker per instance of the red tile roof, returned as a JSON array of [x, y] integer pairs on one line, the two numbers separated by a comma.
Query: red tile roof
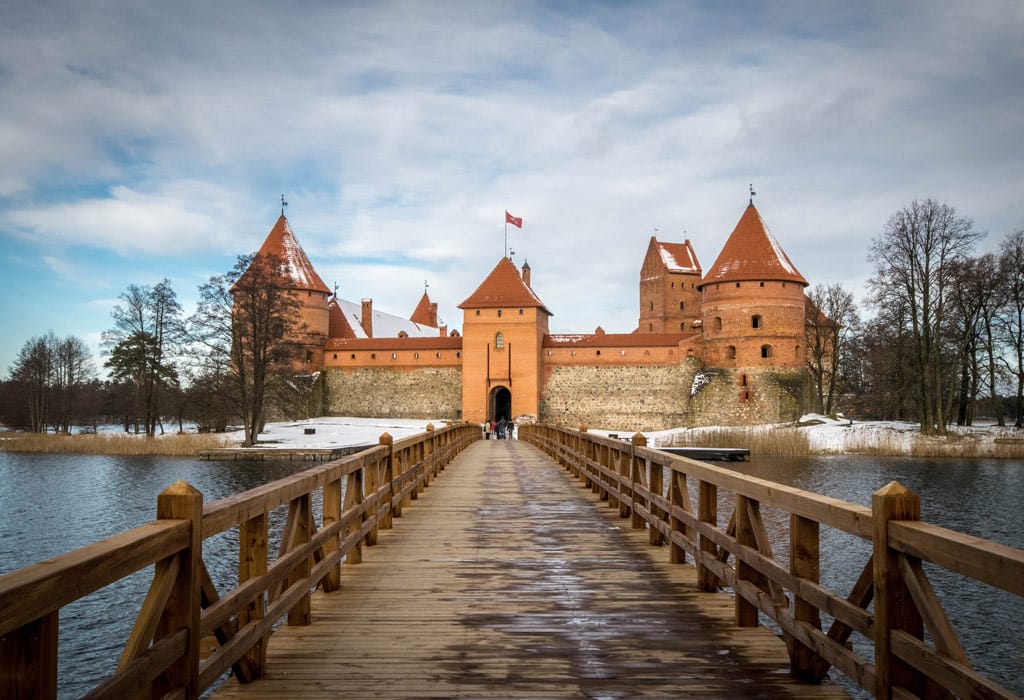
[[678, 257], [503, 287], [282, 244], [425, 313], [752, 253]]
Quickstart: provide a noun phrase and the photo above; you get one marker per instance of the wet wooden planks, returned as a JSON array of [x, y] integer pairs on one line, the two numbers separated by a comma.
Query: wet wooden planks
[[509, 579]]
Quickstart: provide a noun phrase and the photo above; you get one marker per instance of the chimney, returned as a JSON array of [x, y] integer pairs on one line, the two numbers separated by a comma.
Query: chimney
[[526, 273], [367, 317], [444, 331], [433, 314]]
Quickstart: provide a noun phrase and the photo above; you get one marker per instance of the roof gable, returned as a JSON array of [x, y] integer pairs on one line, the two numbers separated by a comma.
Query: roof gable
[[296, 269], [752, 253], [425, 313], [503, 287]]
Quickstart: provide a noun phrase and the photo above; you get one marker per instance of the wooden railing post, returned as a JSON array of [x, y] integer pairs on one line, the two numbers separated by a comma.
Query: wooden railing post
[[677, 499], [656, 485], [331, 515], [252, 563], [707, 512], [430, 467], [894, 608], [300, 516], [587, 452], [637, 476], [180, 501], [354, 498], [805, 563], [371, 486], [28, 660], [393, 511], [746, 612]]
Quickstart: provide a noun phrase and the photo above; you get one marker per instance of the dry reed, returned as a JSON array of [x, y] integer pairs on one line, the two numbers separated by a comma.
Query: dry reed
[[172, 445], [771, 442]]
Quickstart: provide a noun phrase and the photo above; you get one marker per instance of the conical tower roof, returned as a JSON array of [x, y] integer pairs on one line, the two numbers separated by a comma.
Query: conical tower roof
[[282, 245], [503, 287], [425, 313], [752, 253]]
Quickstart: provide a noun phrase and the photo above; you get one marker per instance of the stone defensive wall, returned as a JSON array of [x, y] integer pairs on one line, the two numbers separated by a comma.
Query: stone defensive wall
[[745, 396], [394, 392]]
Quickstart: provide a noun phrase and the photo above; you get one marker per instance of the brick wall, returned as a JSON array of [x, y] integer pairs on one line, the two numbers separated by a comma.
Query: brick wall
[[619, 398], [430, 392], [746, 396]]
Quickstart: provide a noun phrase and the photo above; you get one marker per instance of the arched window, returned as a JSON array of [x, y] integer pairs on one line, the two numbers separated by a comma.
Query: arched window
[[499, 341], [403, 334], [682, 306], [716, 324], [756, 322], [730, 352], [652, 306], [682, 327], [743, 379], [766, 351], [797, 353]]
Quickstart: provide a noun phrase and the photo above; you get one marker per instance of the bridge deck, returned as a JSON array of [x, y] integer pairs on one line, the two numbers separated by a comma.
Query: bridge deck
[[509, 579]]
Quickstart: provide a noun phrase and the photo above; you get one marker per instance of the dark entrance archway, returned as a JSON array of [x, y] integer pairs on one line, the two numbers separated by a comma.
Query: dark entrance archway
[[499, 404]]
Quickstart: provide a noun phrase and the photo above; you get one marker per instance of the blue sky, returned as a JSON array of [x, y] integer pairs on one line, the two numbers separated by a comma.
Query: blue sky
[[147, 140]]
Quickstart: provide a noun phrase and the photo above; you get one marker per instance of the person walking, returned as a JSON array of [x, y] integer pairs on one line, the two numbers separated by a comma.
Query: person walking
[[501, 428]]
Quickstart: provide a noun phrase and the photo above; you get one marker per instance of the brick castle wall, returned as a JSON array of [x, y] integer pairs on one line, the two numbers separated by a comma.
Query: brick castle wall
[[429, 392], [629, 398]]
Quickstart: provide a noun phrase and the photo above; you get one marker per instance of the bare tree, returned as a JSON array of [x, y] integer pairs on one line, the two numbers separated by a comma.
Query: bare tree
[[247, 319], [914, 261], [34, 369], [52, 371], [147, 329], [831, 322], [1010, 323], [73, 369]]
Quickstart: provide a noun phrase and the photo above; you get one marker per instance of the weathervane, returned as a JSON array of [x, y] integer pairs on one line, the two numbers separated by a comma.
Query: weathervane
[[283, 205], [335, 290], [425, 286], [752, 193]]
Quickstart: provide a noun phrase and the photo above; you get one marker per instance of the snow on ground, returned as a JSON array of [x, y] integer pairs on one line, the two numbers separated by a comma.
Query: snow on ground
[[332, 431]]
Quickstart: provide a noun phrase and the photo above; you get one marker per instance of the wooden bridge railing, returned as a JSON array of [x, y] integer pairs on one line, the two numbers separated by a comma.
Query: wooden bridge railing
[[161, 658], [631, 478]]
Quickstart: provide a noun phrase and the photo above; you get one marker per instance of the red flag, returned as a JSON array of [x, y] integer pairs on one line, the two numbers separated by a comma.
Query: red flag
[[516, 221]]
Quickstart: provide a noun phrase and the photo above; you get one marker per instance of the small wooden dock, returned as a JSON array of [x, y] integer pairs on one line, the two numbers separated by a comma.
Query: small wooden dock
[[710, 454], [510, 579]]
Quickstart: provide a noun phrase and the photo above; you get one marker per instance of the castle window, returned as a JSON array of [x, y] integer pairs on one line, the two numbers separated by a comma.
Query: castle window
[[478, 312], [499, 313], [755, 322], [797, 353], [766, 351], [682, 326], [520, 312], [598, 352], [403, 334], [730, 352], [673, 285], [762, 284], [652, 306], [439, 356], [549, 353], [737, 284], [353, 356], [682, 305], [335, 356], [716, 325], [650, 327], [458, 354], [309, 356], [499, 341], [373, 356], [415, 356], [745, 396], [743, 379], [394, 356], [573, 353], [622, 353]]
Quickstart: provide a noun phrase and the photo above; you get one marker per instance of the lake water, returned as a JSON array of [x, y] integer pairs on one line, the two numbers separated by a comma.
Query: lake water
[[50, 504]]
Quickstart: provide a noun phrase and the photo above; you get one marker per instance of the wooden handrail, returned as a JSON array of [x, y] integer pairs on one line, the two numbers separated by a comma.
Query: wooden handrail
[[739, 555], [361, 493]]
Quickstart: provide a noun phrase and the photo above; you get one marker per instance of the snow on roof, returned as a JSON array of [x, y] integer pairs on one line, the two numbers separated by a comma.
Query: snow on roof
[[752, 253], [282, 245], [679, 257], [385, 325]]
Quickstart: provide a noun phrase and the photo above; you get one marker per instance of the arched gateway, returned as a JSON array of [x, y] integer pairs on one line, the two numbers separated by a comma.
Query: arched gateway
[[499, 404]]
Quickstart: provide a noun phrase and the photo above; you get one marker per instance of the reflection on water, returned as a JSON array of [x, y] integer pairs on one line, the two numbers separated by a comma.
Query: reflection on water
[[50, 504]]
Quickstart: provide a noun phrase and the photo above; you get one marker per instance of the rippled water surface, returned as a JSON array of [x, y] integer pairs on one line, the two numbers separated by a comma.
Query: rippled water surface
[[50, 504]]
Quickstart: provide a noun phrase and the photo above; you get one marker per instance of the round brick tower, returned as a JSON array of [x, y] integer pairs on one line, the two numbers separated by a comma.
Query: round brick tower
[[752, 302]]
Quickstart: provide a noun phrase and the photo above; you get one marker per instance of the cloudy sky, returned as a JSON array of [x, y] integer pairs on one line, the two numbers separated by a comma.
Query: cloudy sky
[[144, 140]]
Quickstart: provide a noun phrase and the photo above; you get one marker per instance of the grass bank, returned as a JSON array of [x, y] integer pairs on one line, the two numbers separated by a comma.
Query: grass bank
[[171, 445]]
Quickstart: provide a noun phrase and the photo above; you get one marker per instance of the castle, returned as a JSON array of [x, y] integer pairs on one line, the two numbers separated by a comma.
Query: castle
[[724, 347]]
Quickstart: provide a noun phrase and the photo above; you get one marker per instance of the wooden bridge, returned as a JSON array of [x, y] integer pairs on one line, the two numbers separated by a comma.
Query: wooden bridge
[[583, 572]]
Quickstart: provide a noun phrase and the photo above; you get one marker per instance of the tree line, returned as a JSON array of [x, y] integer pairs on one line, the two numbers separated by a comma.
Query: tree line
[[945, 344], [231, 361]]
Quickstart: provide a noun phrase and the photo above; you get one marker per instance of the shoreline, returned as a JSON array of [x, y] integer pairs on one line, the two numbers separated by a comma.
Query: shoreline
[[811, 436]]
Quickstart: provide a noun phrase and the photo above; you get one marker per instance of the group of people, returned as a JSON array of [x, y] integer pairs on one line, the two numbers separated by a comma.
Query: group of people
[[501, 430]]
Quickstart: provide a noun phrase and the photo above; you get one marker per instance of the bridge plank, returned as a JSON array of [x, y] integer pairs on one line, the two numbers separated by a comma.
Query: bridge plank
[[509, 579]]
